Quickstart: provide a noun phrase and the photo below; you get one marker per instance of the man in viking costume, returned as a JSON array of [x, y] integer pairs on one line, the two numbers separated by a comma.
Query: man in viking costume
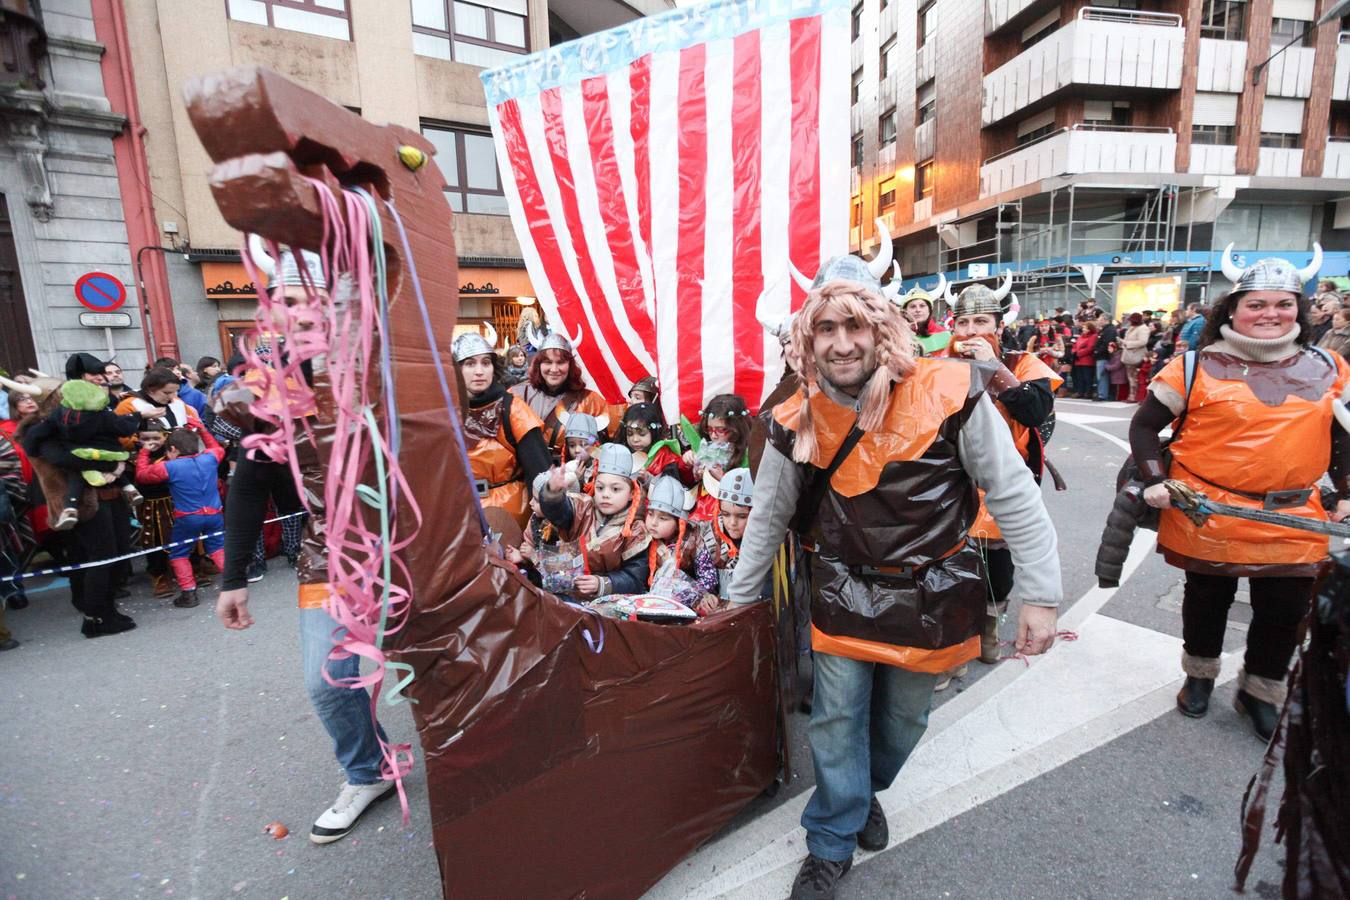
[[877, 461], [1023, 390], [1253, 414]]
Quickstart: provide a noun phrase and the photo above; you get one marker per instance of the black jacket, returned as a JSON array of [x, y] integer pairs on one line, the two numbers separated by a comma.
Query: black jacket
[[1104, 339]]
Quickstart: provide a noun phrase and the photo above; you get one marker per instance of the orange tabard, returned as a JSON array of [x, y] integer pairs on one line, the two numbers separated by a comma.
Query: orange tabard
[[1230, 435], [1026, 367], [493, 459], [590, 403]]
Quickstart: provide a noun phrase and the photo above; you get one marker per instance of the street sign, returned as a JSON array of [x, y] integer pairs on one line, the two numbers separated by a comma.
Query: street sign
[[100, 292], [105, 320]]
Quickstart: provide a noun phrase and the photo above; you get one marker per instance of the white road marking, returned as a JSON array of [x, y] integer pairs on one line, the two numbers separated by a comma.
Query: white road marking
[[1080, 421]]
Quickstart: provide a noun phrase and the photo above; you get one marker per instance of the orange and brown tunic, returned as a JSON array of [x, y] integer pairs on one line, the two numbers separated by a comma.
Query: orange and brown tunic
[[553, 409], [896, 580], [506, 449], [1257, 434]]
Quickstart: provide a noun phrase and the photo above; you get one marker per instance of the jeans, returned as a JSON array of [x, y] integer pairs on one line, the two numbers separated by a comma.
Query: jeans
[[345, 712], [1103, 381], [866, 718], [206, 526]]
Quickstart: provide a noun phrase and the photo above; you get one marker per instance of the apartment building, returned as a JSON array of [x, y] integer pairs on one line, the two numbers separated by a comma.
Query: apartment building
[[1078, 143], [411, 62]]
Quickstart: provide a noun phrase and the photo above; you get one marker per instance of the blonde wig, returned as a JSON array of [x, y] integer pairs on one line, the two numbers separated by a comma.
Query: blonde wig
[[894, 352]]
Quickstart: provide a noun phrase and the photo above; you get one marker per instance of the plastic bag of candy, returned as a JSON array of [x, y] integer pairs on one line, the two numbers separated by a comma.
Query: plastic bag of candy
[[559, 565], [714, 455], [675, 585]]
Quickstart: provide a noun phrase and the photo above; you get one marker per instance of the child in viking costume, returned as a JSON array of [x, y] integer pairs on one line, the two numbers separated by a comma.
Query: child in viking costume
[[875, 461], [1023, 390], [156, 512], [676, 542], [722, 538], [504, 436], [918, 306], [583, 439], [605, 525], [641, 428], [554, 388], [1253, 416]]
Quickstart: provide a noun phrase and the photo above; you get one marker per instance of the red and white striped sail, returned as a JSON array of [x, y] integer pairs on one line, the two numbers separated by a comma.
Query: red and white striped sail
[[660, 176]]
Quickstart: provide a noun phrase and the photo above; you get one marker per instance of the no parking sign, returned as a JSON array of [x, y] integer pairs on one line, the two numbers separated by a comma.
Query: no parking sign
[[100, 292]]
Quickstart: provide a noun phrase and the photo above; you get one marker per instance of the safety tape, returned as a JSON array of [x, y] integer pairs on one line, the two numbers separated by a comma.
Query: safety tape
[[116, 559]]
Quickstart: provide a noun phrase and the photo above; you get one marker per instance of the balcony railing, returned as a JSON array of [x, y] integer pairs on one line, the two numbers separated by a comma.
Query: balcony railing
[[1340, 84], [1102, 47], [1080, 149], [1337, 161]]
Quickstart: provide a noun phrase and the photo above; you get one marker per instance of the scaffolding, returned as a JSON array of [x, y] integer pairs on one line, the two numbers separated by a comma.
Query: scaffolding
[[1043, 239]]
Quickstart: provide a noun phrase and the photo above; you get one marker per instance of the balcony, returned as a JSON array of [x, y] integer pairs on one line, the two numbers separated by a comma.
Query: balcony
[[998, 13], [1213, 159], [1337, 163], [1340, 85], [925, 63], [1280, 162], [924, 139], [1080, 150], [1104, 47], [1291, 73], [1222, 66]]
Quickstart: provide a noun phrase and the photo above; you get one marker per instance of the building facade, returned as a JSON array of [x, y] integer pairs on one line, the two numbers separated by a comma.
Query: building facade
[[411, 62], [1139, 136], [61, 212]]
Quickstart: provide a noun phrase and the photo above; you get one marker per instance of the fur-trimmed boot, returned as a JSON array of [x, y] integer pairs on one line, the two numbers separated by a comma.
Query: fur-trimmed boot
[[1261, 699], [1193, 698]]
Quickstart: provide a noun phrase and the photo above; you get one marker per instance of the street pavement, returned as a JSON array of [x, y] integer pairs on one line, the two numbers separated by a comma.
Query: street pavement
[[149, 763]]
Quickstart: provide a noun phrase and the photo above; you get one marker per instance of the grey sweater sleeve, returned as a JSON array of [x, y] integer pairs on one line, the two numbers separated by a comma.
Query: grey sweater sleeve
[[1014, 499], [778, 484]]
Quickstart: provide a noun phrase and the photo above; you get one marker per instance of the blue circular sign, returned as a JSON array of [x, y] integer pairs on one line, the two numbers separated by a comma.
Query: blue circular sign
[[100, 291]]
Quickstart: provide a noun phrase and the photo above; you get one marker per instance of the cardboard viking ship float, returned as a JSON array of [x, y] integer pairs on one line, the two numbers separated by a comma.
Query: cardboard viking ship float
[[555, 742]]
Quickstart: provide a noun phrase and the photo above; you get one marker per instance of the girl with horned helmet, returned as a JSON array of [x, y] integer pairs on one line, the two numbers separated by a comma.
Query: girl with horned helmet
[[1254, 412], [554, 388], [504, 436]]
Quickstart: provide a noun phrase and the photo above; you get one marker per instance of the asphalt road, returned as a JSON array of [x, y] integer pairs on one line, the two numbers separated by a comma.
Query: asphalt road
[[149, 763]]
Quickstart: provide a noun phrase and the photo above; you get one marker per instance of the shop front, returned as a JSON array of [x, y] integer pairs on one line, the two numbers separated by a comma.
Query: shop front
[[494, 296]]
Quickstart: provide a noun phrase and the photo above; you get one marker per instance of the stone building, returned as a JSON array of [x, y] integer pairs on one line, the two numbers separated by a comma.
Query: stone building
[[62, 211]]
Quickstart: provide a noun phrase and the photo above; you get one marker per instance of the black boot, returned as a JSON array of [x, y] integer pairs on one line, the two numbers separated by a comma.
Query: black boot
[[1193, 698], [876, 834], [96, 627], [186, 600], [1264, 715]]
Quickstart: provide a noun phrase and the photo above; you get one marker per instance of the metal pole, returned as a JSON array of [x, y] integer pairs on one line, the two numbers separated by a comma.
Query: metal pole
[[1068, 249], [108, 336]]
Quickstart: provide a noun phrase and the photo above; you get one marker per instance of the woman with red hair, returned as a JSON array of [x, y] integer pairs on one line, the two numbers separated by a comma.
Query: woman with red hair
[[554, 389]]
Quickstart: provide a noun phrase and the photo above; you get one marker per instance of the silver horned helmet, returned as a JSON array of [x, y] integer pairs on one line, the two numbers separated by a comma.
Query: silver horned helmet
[[1271, 273], [614, 459], [852, 268], [583, 426], [978, 298], [737, 487], [471, 343], [552, 341], [667, 495]]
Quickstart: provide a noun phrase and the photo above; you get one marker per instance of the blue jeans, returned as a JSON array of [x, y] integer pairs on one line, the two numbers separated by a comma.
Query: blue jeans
[[345, 712], [1103, 381], [866, 718]]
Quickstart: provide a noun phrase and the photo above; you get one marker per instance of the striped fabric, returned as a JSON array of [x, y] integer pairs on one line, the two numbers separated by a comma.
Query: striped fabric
[[659, 175]]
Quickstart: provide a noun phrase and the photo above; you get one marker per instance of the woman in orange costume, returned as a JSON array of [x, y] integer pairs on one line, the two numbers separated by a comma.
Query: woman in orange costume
[[1254, 427], [503, 436], [554, 388]]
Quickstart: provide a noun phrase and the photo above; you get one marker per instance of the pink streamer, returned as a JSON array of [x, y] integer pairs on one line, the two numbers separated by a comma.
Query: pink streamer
[[341, 330]]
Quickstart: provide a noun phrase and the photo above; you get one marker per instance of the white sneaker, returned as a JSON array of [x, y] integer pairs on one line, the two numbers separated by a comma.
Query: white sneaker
[[337, 822]]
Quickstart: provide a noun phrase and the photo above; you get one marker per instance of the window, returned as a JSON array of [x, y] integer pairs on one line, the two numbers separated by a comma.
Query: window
[[857, 86], [326, 18], [887, 202], [1106, 112], [1035, 134], [1224, 20], [855, 214], [468, 161], [923, 180], [927, 23], [1284, 31], [926, 103], [857, 150], [1214, 134], [855, 23], [886, 53], [477, 32], [1280, 141], [886, 130]]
